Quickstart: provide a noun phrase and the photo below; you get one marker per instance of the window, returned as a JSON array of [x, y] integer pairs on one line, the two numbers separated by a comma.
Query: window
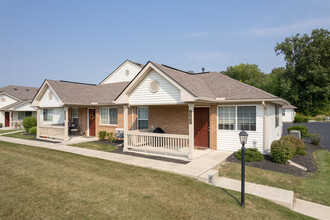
[[21, 116], [227, 117], [237, 118], [142, 119], [283, 112], [109, 116], [277, 117], [28, 114], [75, 117], [48, 114], [246, 118]]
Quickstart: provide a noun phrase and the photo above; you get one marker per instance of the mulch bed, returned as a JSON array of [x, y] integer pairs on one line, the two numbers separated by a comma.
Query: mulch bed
[[119, 150], [307, 161]]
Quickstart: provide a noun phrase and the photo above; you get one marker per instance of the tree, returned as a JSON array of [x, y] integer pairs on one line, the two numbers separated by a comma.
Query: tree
[[247, 73], [307, 70]]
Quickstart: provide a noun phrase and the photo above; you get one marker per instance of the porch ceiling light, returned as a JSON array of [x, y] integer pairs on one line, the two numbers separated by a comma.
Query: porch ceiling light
[[243, 136]]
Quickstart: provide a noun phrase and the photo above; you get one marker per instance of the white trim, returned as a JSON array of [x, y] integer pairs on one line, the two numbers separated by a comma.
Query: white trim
[[36, 101], [11, 96], [87, 129]]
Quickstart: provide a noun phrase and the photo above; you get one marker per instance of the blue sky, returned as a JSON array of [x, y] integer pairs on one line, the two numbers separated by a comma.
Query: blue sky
[[85, 40]]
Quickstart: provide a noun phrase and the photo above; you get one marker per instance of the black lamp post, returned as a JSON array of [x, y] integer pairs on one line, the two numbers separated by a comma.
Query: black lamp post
[[243, 136]]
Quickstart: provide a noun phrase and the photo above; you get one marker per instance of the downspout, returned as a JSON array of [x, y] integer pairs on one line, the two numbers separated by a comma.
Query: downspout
[[266, 145]]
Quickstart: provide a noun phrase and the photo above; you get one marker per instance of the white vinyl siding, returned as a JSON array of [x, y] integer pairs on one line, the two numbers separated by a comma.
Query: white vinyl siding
[[120, 75], [45, 102], [143, 117], [274, 133], [167, 93], [228, 140], [289, 115], [108, 116]]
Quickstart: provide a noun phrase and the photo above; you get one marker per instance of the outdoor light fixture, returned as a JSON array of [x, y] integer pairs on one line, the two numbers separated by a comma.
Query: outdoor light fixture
[[243, 136]]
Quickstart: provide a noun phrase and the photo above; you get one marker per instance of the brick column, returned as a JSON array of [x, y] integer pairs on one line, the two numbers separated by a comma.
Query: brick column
[[213, 127]]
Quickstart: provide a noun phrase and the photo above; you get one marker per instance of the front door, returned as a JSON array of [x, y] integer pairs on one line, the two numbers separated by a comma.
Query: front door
[[201, 120], [91, 122], [6, 119]]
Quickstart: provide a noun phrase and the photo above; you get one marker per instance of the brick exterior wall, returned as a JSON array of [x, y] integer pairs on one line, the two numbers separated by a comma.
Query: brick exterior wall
[[172, 119], [213, 127], [109, 128]]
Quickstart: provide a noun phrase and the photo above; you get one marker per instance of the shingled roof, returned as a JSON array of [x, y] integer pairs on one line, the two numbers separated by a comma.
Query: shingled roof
[[85, 94], [20, 92]]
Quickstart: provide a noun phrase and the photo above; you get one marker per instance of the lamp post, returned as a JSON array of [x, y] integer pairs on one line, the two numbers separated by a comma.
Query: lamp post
[[243, 136]]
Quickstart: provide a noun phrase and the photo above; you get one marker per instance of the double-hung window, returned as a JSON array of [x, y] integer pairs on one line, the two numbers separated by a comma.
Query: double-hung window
[[283, 112], [75, 117], [277, 116], [21, 116], [109, 116], [142, 120], [237, 118], [47, 114]]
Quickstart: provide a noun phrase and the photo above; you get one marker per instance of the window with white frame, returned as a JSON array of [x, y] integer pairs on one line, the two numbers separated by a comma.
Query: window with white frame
[[277, 116], [283, 112], [21, 116], [109, 116], [143, 117], [75, 116], [47, 114], [237, 118]]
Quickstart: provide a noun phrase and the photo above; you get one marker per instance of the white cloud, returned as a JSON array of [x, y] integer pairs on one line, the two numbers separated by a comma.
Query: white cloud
[[289, 29], [197, 34]]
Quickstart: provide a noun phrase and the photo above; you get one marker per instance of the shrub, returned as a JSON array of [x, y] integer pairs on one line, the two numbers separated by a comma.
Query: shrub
[[102, 135], [251, 155], [110, 137], [300, 119], [298, 144], [315, 138], [302, 128], [281, 151], [33, 130], [29, 122], [320, 118], [0, 125]]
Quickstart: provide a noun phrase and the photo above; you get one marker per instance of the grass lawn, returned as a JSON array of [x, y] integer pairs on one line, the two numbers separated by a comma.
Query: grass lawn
[[20, 135], [41, 183], [96, 146], [6, 131], [315, 188]]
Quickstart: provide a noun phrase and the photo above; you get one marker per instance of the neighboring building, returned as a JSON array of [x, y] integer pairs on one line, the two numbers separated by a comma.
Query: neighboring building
[[288, 113], [15, 105], [195, 111]]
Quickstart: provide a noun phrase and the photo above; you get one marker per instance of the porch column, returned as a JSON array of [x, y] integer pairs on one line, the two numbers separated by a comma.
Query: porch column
[[191, 131], [125, 128], [38, 122], [11, 125], [66, 124]]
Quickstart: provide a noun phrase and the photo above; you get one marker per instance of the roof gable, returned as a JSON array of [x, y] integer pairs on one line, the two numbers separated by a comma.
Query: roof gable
[[20, 92]]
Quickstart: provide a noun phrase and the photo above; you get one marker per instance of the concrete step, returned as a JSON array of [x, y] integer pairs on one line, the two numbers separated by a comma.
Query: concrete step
[[279, 196], [311, 209]]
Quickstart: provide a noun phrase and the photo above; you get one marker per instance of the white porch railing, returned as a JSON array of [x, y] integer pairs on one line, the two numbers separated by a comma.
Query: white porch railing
[[51, 131], [17, 124], [166, 144]]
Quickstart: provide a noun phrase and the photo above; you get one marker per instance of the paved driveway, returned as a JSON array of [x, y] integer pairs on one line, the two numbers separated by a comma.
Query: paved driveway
[[314, 127]]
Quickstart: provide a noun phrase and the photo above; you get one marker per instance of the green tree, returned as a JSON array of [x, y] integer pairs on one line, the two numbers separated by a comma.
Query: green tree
[[247, 73], [308, 70]]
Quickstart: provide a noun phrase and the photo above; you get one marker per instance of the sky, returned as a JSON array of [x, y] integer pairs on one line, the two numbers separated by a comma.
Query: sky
[[85, 41]]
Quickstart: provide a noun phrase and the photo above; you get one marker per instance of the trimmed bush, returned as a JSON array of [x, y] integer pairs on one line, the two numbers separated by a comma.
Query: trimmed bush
[[33, 130], [302, 128], [300, 119], [29, 122], [315, 138], [0, 125], [281, 151], [297, 143], [320, 118], [251, 155], [110, 137], [102, 135]]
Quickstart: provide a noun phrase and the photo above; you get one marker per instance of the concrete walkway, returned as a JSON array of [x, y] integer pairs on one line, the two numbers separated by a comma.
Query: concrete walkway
[[204, 169]]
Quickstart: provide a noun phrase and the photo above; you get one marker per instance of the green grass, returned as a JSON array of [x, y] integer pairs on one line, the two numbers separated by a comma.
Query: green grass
[[96, 146], [21, 136], [315, 188], [6, 131], [39, 183]]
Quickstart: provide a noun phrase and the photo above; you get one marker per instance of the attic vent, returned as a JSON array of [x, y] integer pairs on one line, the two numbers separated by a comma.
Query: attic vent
[[3, 99], [27, 90], [154, 86], [15, 88], [127, 72], [50, 95]]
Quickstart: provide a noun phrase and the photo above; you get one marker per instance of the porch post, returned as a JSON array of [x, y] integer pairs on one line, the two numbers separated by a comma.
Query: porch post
[[191, 130], [125, 128], [38, 122], [11, 125], [66, 124]]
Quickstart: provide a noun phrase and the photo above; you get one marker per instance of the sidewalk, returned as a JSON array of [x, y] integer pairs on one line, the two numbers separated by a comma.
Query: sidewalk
[[203, 169]]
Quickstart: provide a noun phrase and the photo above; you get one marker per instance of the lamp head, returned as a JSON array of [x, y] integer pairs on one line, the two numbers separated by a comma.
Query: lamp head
[[243, 136]]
